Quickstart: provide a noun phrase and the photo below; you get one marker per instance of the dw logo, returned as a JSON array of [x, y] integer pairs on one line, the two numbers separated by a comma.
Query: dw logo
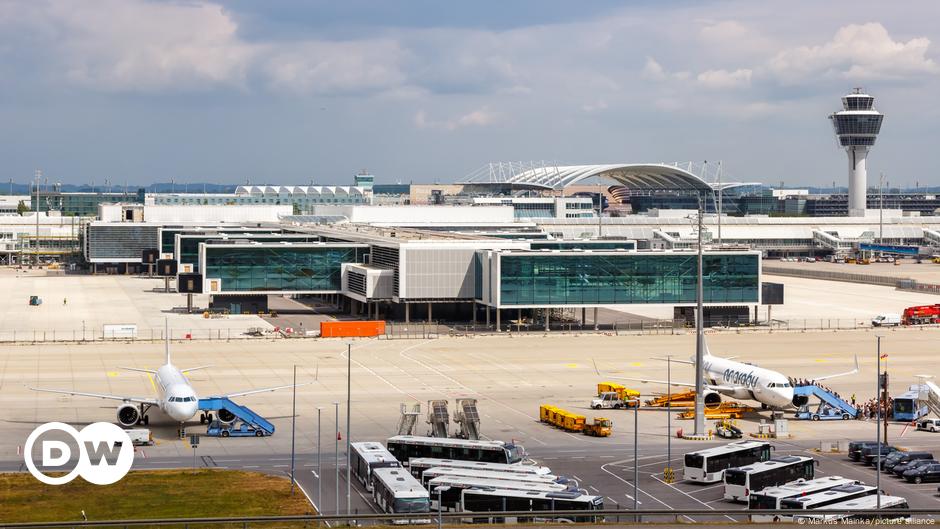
[[104, 453]]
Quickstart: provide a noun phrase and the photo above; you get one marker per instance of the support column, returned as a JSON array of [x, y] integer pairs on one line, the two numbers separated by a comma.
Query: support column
[[519, 319], [548, 313], [583, 316], [474, 310], [430, 311], [595, 318], [407, 313], [497, 318], [487, 315]]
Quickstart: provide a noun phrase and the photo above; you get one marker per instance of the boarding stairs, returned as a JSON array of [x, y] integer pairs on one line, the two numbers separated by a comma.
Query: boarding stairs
[[406, 424], [241, 413], [826, 397], [468, 418], [930, 395], [438, 418]]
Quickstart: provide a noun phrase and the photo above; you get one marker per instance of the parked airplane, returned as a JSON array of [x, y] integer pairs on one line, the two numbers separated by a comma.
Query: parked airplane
[[175, 396], [724, 376]]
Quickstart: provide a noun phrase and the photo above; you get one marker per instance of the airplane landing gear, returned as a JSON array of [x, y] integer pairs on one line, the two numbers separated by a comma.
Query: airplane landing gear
[[143, 418], [182, 431]]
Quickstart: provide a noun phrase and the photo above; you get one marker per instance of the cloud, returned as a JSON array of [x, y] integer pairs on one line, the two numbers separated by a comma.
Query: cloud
[[481, 117], [862, 52], [596, 106], [719, 79], [323, 67]]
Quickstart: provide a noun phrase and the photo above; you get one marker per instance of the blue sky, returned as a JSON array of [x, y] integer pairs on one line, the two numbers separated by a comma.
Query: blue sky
[[289, 92]]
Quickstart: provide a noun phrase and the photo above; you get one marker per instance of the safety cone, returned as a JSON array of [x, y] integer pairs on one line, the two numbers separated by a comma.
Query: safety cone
[[339, 436]]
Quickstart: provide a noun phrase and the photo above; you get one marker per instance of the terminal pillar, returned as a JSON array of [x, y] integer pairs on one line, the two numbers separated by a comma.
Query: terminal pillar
[[497, 319], [583, 316], [595, 318], [430, 313], [474, 310], [548, 313], [487, 315], [407, 313]]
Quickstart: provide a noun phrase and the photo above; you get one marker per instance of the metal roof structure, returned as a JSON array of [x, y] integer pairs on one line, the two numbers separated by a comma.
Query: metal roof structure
[[636, 176]]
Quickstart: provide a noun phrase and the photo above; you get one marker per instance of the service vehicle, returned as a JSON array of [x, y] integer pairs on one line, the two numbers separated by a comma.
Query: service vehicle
[[140, 436], [407, 447], [824, 412], [395, 490], [929, 425], [921, 315], [923, 473], [908, 406], [574, 422], [218, 428], [886, 320], [419, 465], [479, 501], [709, 465], [740, 482], [832, 496], [614, 395], [365, 457], [539, 479], [892, 510], [452, 486], [770, 498]]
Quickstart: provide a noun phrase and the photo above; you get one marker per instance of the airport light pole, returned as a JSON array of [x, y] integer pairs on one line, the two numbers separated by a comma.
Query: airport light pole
[[440, 503], [336, 453], [636, 461], [878, 426], [319, 470], [668, 413], [348, 417], [293, 429], [699, 429]]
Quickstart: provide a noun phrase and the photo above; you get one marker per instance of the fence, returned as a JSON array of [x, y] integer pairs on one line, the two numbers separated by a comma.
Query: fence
[[887, 281], [722, 516], [143, 335]]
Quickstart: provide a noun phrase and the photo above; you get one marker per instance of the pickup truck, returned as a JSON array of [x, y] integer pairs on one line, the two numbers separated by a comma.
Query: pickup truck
[[219, 429]]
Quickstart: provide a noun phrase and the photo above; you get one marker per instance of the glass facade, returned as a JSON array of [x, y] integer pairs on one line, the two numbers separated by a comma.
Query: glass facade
[[82, 204], [189, 244], [283, 268], [555, 279], [585, 245]]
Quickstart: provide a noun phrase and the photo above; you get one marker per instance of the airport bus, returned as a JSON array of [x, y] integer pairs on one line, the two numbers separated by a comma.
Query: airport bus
[[893, 509], [541, 479], [419, 464], [708, 465], [406, 447], [366, 457], [396, 491], [832, 496], [742, 481], [490, 500], [769, 498], [908, 406], [454, 485]]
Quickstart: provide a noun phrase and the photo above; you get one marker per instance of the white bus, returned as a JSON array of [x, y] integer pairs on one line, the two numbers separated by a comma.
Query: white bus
[[742, 481], [832, 496], [406, 447], [366, 457], [540, 479], [769, 498], [709, 465], [893, 508], [396, 491], [450, 498], [490, 500], [420, 464]]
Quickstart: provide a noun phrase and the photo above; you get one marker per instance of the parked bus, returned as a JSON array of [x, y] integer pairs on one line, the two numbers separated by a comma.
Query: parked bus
[[420, 464], [450, 498], [396, 491], [366, 457], [741, 482], [770, 498], [490, 500], [908, 406], [832, 496], [708, 465], [893, 509], [406, 447], [543, 479]]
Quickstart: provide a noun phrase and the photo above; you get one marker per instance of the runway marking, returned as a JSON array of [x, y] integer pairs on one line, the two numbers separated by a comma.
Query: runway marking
[[571, 365], [152, 383], [684, 493], [636, 364], [112, 373], [593, 488], [315, 507]]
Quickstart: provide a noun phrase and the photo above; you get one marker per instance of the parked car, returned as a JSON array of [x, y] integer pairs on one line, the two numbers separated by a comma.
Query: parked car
[[930, 425], [886, 320], [923, 473], [898, 458], [870, 453], [855, 449], [911, 465]]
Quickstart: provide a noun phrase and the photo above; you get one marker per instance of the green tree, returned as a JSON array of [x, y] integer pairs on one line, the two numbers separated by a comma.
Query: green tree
[[21, 208]]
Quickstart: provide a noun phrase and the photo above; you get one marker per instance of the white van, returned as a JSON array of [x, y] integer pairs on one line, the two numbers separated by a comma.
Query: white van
[[886, 320], [930, 425], [140, 436]]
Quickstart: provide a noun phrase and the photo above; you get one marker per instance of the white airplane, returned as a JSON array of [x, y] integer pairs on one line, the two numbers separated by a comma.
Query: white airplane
[[724, 376], [175, 396]]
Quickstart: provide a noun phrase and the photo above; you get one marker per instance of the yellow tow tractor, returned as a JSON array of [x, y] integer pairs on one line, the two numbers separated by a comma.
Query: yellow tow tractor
[[574, 422], [614, 395]]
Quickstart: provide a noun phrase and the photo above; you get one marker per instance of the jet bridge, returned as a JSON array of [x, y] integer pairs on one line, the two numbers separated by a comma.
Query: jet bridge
[[468, 418], [438, 418]]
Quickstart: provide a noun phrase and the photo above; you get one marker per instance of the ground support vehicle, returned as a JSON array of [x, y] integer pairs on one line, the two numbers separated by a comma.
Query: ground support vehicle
[[218, 428], [574, 422]]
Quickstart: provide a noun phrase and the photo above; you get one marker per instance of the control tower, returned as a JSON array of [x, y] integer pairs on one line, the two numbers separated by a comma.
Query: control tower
[[857, 125]]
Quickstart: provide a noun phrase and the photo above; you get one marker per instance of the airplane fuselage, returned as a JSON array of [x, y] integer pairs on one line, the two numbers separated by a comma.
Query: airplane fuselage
[[176, 395], [768, 387]]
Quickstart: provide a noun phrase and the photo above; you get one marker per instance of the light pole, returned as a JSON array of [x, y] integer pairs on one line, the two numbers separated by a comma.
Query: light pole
[[293, 429], [669, 415], [699, 331], [440, 503], [878, 426], [336, 454], [348, 413], [319, 470], [636, 461]]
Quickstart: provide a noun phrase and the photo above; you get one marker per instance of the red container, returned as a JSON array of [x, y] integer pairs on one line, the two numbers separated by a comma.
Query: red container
[[340, 329]]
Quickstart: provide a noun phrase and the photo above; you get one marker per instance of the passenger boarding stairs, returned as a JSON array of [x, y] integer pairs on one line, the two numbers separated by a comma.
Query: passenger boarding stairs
[[223, 407], [406, 425], [468, 418], [825, 397], [438, 418], [930, 395]]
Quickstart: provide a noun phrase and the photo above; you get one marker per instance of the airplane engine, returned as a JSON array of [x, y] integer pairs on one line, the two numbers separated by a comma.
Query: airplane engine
[[225, 416], [712, 399], [128, 415], [800, 400]]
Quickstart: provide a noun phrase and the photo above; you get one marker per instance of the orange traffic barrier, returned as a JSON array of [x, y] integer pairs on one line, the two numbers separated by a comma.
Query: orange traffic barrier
[[341, 329]]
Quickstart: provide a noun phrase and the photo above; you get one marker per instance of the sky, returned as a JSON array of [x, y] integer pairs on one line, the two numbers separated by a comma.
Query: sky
[[294, 91]]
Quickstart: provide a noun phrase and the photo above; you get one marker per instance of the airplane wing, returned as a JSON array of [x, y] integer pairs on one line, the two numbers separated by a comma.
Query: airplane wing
[[253, 391], [141, 400], [189, 369], [712, 387], [675, 361], [852, 372], [139, 369]]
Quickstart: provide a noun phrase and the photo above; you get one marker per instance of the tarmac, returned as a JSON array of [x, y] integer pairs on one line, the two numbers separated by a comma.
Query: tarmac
[[510, 375]]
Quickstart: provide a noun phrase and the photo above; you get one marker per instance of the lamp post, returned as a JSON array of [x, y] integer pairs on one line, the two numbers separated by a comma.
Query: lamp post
[[699, 429], [336, 454], [668, 414], [348, 416], [319, 471], [293, 429], [440, 503], [878, 384]]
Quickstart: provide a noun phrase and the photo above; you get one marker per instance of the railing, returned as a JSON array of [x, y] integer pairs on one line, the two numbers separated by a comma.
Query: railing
[[727, 516]]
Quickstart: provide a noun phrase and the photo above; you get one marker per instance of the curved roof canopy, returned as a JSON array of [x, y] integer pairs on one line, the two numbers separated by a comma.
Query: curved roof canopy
[[650, 177]]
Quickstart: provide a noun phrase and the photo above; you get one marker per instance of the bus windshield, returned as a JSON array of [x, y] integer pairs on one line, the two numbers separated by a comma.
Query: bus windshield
[[694, 460], [903, 405], [411, 505], [758, 501]]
